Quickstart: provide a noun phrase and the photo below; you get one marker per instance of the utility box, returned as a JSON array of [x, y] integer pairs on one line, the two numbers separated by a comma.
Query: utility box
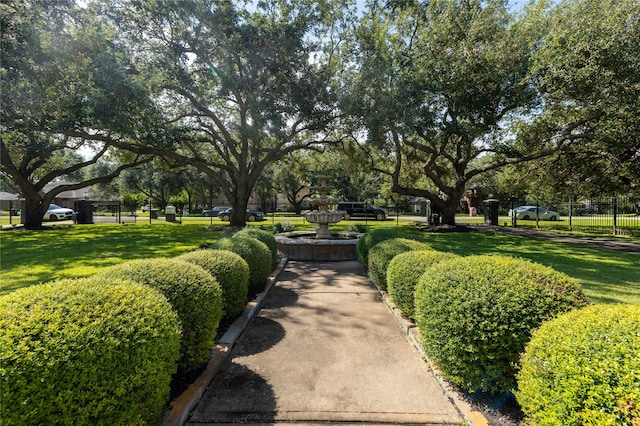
[[84, 212], [170, 213], [491, 207]]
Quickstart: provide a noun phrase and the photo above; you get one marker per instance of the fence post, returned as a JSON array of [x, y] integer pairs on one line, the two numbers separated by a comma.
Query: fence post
[[615, 214], [570, 214]]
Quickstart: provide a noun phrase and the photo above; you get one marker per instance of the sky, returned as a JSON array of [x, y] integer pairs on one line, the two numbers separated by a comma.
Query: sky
[[515, 5]]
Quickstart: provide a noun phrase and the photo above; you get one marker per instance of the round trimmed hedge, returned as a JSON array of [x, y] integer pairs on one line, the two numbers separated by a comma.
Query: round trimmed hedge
[[476, 314], [87, 351], [583, 368], [232, 273], [403, 274], [370, 239], [194, 294], [265, 236], [381, 254], [254, 252]]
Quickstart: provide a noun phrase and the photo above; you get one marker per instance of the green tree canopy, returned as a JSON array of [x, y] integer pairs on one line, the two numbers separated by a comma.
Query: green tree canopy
[[588, 76], [65, 88], [440, 85], [245, 86], [452, 89]]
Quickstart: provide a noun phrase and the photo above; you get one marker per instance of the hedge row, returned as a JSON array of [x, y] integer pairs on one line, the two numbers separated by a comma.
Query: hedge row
[[85, 352], [371, 238], [254, 252], [103, 350], [381, 254], [583, 368], [476, 315], [403, 274], [264, 236], [193, 293], [232, 273]]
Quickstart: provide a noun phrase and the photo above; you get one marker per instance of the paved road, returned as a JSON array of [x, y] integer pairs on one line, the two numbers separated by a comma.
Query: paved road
[[324, 348]]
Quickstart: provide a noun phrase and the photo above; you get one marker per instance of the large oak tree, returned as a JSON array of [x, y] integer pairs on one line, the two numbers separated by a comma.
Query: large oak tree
[[442, 80], [446, 83], [588, 70], [65, 88], [245, 86]]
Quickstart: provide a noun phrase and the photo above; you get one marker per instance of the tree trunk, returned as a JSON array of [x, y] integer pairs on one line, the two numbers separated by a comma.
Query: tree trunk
[[447, 208], [448, 214], [34, 213], [239, 213]]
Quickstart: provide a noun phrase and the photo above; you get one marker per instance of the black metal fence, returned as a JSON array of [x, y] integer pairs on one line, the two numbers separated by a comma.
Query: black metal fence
[[612, 215]]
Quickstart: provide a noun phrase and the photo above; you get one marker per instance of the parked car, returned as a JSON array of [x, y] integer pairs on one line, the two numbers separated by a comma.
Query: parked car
[[358, 209], [215, 212], [529, 213], [55, 212], [252, 215]]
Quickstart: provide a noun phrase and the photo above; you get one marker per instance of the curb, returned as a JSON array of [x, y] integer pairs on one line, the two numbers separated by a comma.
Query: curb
[[181, 406], [474, 418]]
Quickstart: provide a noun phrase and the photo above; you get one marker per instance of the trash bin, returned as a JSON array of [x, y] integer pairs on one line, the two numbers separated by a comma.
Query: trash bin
[[170, 213], [435, 219], [153, 213], [491, 207], [84, 212]]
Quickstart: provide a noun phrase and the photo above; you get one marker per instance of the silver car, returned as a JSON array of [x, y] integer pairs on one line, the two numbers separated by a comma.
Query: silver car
[[529, 213]]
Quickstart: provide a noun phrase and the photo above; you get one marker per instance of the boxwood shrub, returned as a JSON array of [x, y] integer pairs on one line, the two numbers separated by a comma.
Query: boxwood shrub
[[382, 253], [370, 239], [84, 352], [232, 273], [583, 368], [254, 252], [193, 293], [476, 314], [403, 274], [265, 236]]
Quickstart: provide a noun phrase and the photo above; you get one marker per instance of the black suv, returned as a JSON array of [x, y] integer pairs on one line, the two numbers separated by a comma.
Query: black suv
[[358, 209]]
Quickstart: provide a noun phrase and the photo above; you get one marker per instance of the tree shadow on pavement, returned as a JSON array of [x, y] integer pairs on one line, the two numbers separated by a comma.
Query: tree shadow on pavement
[[236, 395]]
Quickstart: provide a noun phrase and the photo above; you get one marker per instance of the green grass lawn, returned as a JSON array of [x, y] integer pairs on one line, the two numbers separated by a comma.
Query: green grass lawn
[[606, 276], [31, 257]]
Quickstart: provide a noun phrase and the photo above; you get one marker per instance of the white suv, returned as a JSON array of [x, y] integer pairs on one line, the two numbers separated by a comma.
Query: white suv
[[55, 212]]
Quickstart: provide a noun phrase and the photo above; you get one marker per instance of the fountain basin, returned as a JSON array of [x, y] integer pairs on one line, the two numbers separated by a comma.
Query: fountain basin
[[303, 245], [323, 216]]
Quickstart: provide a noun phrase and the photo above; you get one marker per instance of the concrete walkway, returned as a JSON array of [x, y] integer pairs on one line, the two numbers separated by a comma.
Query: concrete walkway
[[324, 348]]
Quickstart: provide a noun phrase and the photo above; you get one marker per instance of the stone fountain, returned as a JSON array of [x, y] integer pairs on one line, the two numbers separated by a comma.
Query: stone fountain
[[323, 217], [322, 245]]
